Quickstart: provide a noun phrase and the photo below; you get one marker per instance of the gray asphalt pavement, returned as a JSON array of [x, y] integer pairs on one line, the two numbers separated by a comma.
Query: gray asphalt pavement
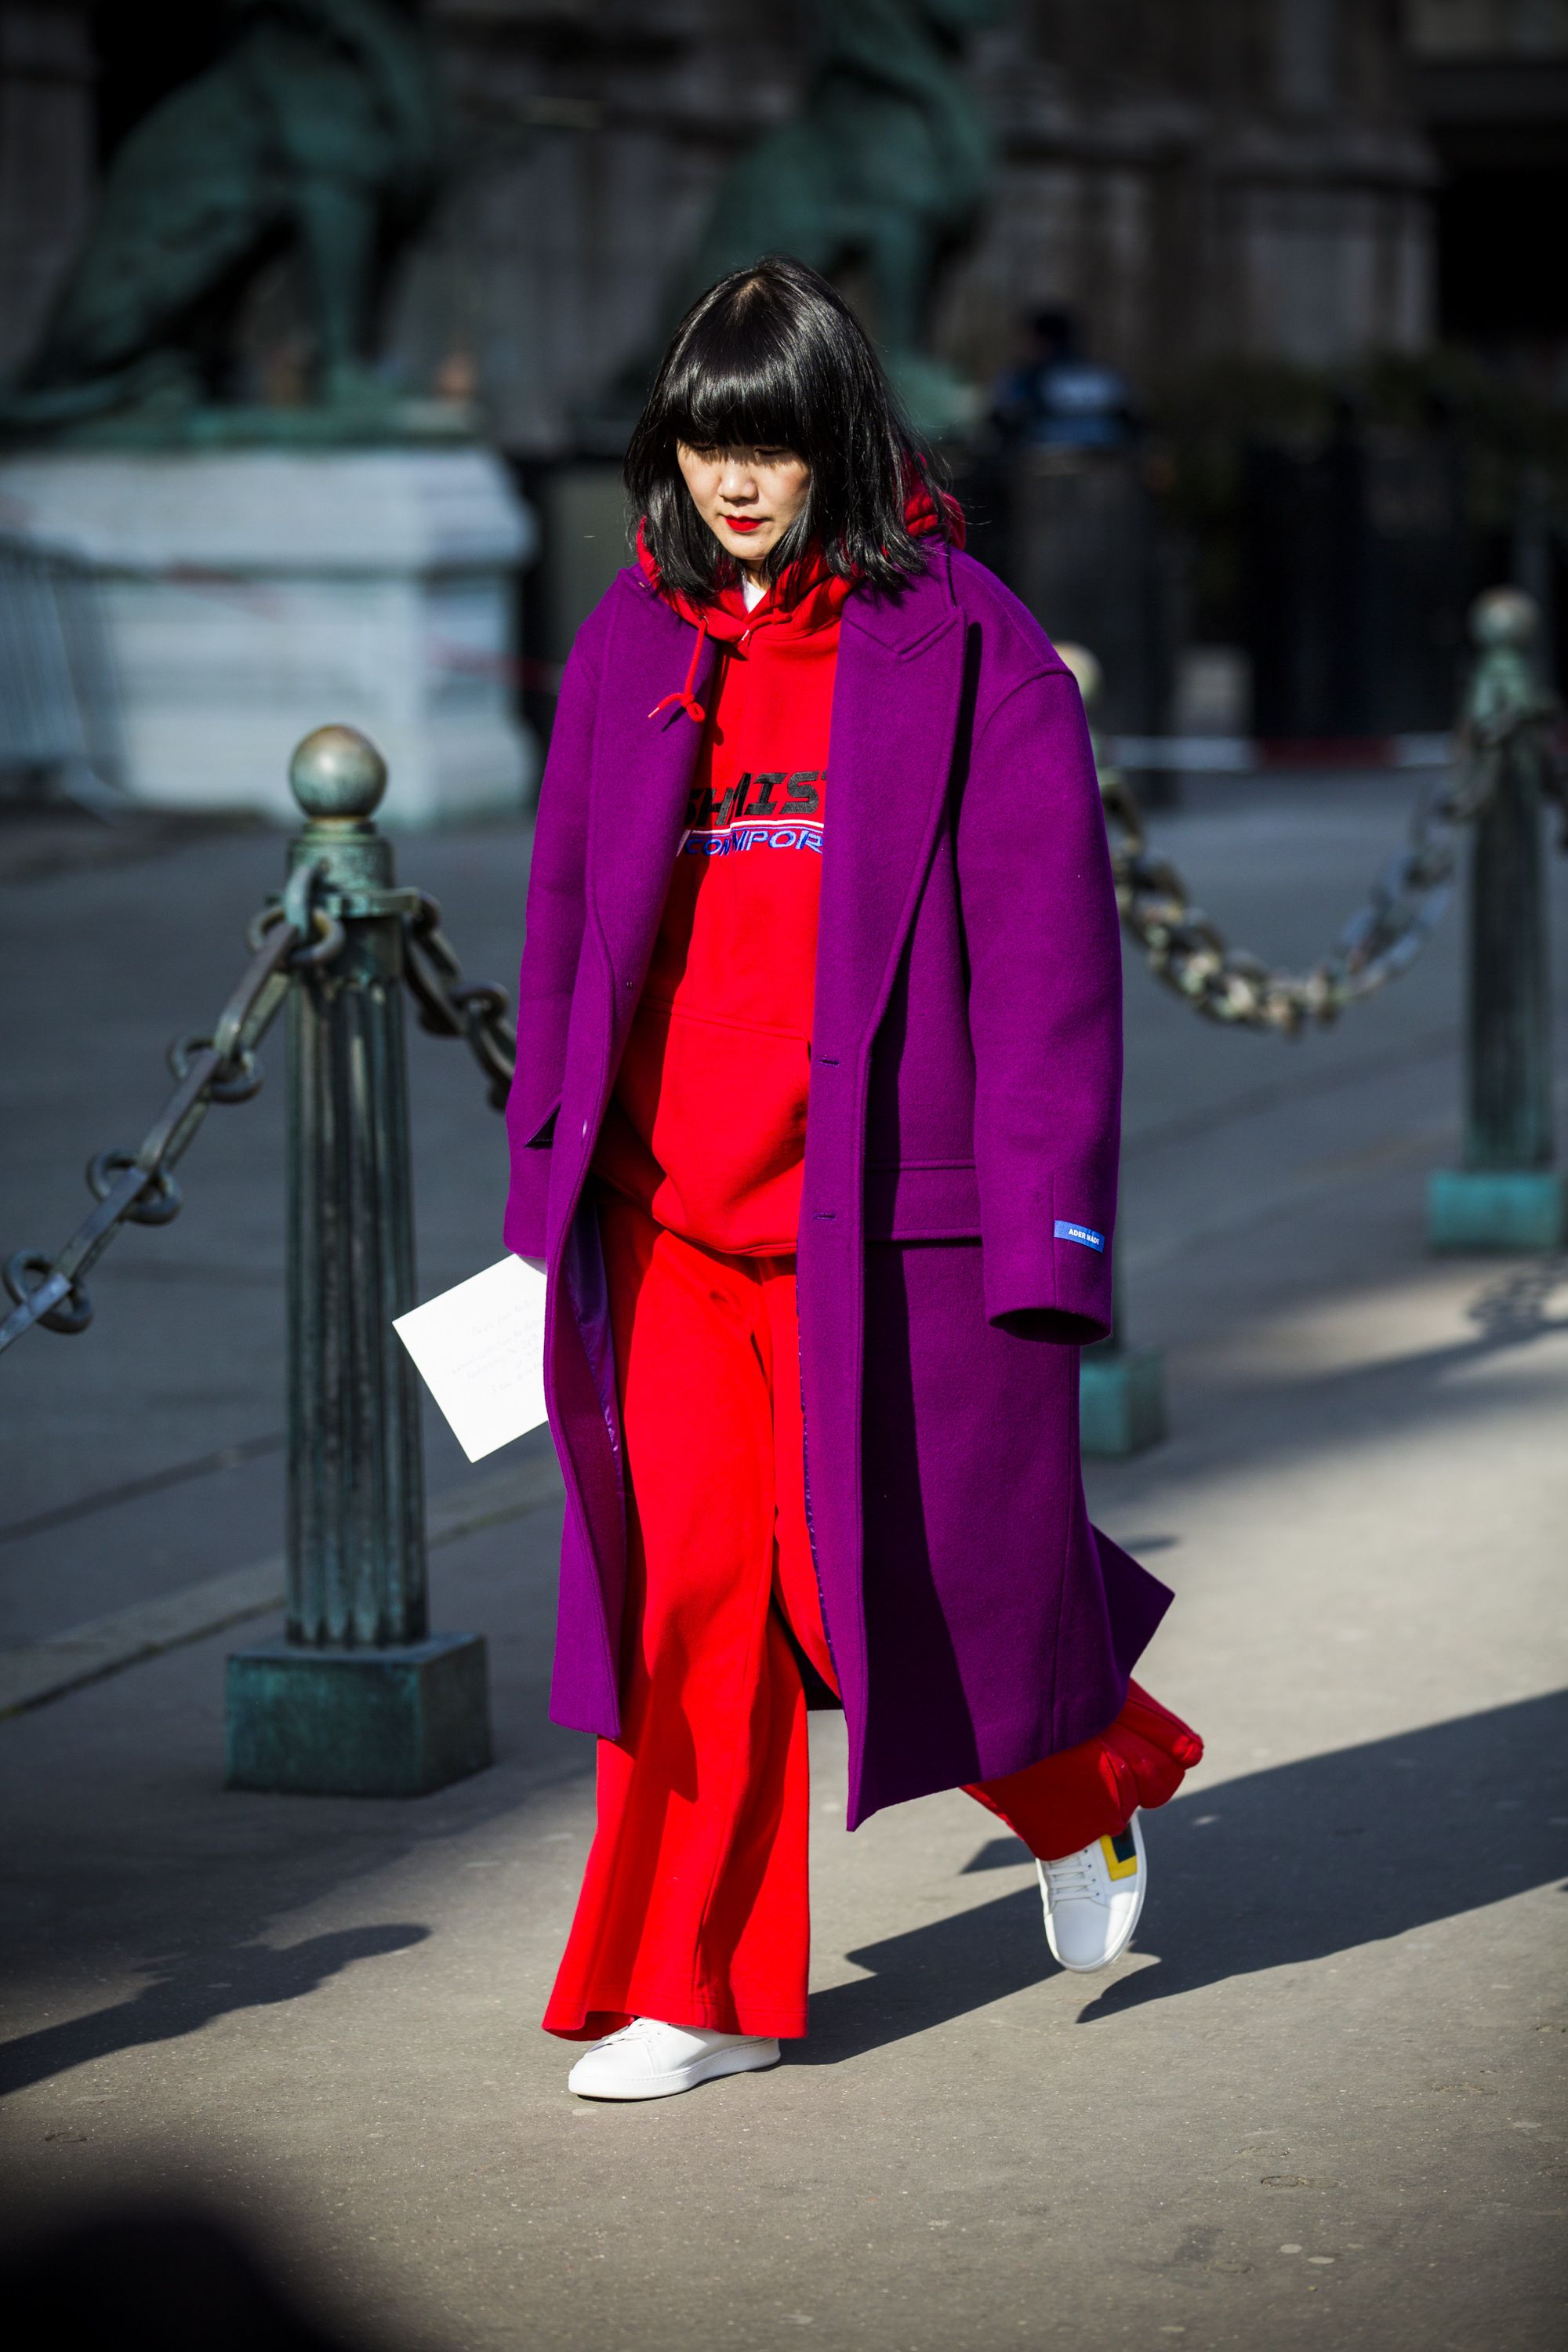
[[1320, 2103]]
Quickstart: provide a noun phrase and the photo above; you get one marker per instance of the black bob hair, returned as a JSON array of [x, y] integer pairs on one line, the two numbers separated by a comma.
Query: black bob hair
[[773, 358]]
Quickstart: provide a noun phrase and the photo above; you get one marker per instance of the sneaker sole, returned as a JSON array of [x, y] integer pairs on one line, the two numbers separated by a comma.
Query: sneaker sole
[[1093, 1968], [687, 2078]]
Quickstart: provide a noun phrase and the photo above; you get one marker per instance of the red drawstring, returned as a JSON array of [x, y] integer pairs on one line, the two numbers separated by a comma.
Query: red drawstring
[[686, 699]]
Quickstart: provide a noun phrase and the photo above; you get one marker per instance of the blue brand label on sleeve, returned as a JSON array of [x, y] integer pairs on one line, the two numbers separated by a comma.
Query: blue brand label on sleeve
[[1084, 1234]]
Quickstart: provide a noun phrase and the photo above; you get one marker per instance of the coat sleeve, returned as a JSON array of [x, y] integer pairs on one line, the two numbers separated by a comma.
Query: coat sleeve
[[552, 943], [1045, 1010]]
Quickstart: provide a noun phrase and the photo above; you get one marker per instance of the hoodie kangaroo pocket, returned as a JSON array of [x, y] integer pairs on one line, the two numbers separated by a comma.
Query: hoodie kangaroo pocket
[[721, 1107]]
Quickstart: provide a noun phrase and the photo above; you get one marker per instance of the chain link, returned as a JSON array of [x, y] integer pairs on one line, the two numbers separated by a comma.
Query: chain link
[[136, 1187], [1189, 954], [451, 1007]]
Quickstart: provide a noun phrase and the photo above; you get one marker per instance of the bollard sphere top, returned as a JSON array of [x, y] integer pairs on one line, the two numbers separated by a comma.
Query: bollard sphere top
[[1503, 617], [337, 771]]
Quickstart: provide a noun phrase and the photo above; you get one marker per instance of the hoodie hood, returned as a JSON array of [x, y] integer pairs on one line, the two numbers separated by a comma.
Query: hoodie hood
[[805, 596]]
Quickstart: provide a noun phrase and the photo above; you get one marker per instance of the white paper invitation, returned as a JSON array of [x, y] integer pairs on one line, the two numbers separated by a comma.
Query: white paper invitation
[[480, 1352]]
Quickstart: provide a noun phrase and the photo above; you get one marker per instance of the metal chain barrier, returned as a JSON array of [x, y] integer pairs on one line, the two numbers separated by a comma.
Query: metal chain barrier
[[296, 934], [360, 1697], [1189, 954], [450, 1008], [137, 1188]]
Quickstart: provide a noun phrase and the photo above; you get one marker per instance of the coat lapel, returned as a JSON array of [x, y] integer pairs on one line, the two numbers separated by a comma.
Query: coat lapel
[[895, 710], [643, 767]]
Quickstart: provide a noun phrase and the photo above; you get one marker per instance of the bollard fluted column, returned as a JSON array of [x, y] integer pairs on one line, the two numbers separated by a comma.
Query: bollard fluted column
[[1508, 1193], [356, 1503], [358, 1698]]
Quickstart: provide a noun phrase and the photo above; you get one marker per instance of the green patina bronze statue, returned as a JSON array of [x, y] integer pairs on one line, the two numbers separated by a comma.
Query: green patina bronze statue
[[318, 132], [884, 168]]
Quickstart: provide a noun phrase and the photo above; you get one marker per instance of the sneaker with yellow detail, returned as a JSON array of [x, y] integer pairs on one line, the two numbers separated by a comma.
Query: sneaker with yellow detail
[[1092, 1899]]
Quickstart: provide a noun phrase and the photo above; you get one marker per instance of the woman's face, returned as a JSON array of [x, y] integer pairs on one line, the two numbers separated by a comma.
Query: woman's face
[[747, 497]]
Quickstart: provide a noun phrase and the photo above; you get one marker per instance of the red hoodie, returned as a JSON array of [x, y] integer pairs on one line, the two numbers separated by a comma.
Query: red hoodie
[[706, 1125]]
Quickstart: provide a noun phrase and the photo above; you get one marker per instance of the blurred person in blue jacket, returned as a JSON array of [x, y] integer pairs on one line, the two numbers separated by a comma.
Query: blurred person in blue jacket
[[1056, 398]]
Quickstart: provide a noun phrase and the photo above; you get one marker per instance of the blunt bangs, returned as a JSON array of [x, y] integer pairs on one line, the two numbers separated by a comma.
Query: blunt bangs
[[734, 389], [773, 358]]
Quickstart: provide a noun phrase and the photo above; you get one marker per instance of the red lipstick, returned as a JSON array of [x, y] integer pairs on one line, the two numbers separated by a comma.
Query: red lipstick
[[743, 522]]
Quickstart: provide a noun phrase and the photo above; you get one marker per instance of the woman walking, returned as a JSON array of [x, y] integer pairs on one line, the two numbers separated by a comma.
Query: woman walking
[[815, 1127]]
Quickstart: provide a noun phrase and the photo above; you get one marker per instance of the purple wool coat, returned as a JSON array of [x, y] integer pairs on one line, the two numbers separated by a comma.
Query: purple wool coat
[[961, 1162]]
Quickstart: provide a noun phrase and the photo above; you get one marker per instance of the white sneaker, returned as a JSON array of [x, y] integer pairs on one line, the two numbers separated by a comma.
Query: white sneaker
[[1092, 1899], [647, 2060]]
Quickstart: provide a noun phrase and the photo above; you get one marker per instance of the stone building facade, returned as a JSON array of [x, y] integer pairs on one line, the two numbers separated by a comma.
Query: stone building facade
[[1301, 178], [1228, 175]]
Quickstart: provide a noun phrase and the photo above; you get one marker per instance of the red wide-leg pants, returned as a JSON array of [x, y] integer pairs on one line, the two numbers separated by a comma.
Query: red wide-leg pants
[[694, 1907]]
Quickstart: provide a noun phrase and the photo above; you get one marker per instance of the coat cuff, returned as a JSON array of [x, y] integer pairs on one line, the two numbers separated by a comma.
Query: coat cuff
[[1053, 1284]]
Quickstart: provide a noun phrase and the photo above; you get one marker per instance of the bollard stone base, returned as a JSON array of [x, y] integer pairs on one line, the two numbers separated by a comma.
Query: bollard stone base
[[1121, 1401], [1483, 1209], [358, 1723]]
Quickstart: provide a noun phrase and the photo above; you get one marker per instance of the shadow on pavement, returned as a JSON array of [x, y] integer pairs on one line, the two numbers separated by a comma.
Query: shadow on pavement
[[1508, 1312], [1276, 1411], [150, 2278], [192, 1988], [1281, 1866]]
